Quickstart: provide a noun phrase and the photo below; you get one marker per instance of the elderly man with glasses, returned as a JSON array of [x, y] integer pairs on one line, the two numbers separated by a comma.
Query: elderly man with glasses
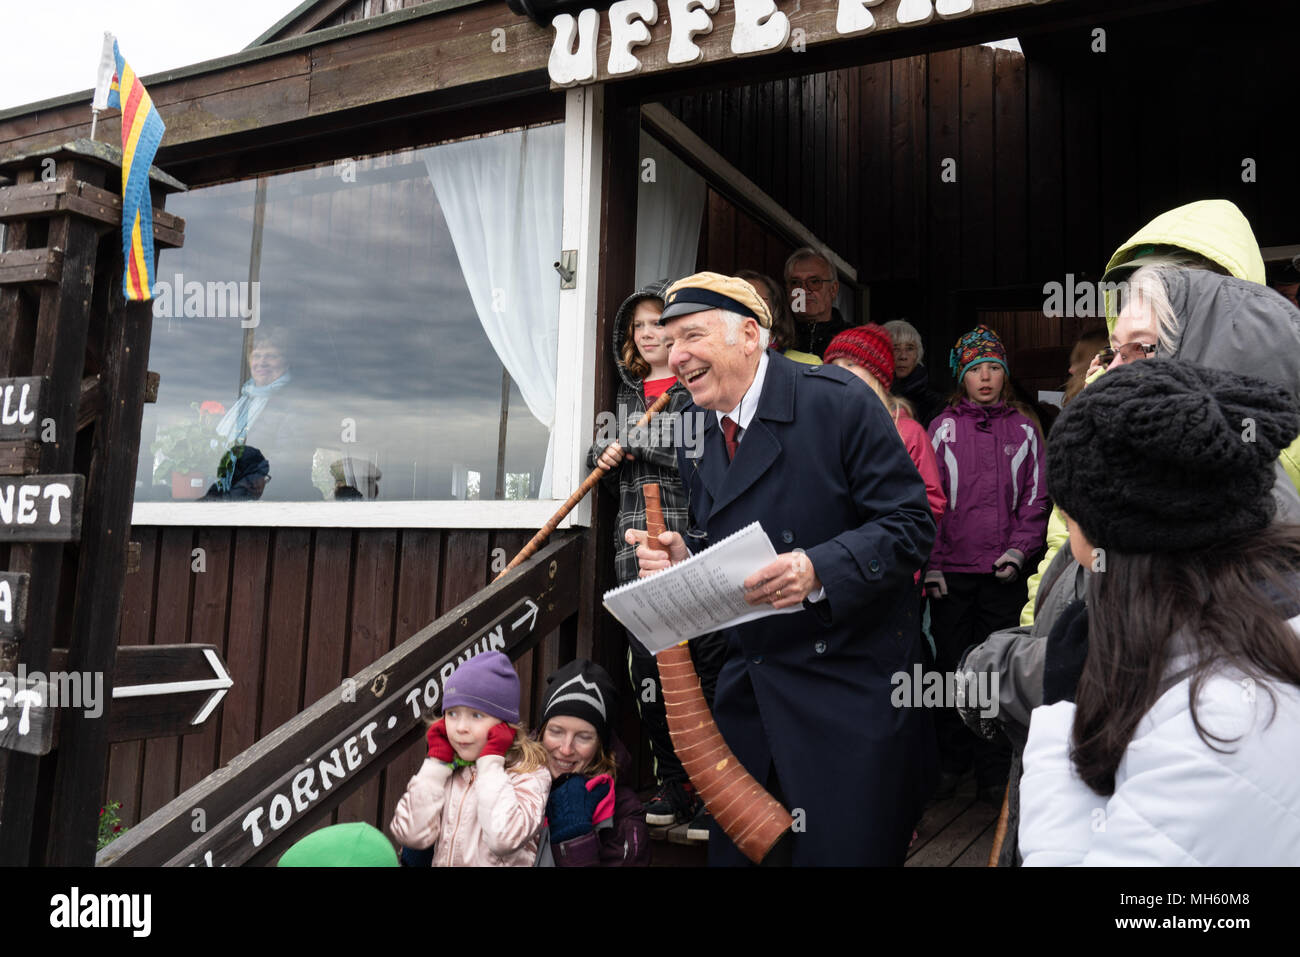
[[812, 287]]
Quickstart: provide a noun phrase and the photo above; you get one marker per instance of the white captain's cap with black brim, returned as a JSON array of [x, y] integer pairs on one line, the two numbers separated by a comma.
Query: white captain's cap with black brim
[[711, 290]]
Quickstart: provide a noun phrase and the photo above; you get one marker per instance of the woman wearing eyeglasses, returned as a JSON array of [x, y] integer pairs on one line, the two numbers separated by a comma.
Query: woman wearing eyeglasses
[[1210, 235]]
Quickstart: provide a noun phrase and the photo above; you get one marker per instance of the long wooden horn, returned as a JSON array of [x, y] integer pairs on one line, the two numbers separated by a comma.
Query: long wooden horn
[[538, 540], [753, 819]]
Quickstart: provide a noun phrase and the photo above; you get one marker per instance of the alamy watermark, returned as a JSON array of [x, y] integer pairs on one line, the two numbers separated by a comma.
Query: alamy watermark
[[55, 689], [668, 430], [178, 298], [971, 690], [1082, 299]]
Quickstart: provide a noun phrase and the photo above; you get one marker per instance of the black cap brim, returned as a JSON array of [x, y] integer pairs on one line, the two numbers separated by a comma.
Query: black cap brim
[[702, 300], [683, 308]]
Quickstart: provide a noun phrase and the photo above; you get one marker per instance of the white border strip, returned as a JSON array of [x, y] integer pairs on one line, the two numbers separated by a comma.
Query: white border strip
[[574, 401], [530, 514]]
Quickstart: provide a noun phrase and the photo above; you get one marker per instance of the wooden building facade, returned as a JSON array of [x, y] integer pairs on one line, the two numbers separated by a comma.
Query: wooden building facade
[[956, 179]]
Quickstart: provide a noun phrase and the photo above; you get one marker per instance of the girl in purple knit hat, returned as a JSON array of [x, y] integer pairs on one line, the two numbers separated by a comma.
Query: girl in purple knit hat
[[479, 799], [991, 466]]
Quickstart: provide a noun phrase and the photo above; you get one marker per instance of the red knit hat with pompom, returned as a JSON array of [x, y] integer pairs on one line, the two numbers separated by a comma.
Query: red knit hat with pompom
[[870, 346]]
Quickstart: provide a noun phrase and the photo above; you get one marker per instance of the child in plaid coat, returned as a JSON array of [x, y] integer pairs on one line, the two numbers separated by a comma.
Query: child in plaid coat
[[636, 458]]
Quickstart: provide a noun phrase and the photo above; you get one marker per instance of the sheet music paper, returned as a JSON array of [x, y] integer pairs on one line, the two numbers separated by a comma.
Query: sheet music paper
[[696, 596]]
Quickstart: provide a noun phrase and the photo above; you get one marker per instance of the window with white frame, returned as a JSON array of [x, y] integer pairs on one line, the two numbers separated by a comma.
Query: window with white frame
[[374, 330]]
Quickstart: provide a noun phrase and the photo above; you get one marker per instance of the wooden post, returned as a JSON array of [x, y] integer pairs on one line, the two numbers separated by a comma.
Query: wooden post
[[64, 210], [595, 634], [501, 436]]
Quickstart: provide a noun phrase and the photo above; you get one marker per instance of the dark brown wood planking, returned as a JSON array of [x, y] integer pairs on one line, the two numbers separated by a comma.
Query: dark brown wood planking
[[549, 578]]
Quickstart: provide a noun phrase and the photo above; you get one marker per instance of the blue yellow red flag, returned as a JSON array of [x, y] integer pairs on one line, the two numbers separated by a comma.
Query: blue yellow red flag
[[142, 131]]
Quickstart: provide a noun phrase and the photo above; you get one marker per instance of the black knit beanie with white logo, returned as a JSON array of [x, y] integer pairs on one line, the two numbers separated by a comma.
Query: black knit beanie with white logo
[[1161, 455], [582, 689]]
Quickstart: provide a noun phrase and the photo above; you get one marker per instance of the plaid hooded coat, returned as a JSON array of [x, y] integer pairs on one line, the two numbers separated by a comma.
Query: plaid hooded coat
[[656, 458]]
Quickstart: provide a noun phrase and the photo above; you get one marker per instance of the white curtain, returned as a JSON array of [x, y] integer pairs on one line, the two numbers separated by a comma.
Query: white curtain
[[669, 211], [503, 199]]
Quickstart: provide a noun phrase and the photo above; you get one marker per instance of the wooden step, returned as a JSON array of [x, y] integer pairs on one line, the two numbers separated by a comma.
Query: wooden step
[[672, 848]]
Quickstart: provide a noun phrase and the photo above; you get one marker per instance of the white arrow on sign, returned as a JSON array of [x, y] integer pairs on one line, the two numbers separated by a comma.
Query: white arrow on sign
[[218, 686], [531, 613]]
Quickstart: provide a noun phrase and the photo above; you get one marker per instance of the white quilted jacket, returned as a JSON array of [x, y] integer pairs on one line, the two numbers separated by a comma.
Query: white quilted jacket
[[1176, 801]]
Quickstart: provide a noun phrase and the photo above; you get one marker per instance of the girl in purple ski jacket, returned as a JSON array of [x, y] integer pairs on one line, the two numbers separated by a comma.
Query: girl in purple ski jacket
[[990, 459]]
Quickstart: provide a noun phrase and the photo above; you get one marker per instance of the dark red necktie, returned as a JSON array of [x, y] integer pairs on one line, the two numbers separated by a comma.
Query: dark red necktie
[[729, 429]]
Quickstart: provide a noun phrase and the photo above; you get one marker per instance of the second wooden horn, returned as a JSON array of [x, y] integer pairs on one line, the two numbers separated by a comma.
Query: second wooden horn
[[753, 819]]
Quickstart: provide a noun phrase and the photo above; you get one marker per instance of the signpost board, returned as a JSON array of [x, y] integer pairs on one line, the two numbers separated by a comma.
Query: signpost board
[[41, 508], [21, 417], [13, 605], [158, 691]]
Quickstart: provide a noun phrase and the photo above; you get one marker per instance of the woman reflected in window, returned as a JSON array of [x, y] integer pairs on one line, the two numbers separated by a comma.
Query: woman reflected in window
[[264, 418]]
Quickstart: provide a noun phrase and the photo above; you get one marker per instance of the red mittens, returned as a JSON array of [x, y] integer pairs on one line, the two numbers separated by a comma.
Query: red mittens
[[499, 739], [440, 748]]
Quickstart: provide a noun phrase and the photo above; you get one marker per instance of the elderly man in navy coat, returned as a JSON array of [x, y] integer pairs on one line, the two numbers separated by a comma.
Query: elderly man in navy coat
[[804, 699]]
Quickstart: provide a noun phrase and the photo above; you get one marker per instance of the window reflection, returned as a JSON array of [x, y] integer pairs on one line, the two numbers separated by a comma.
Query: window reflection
[[317, 338]]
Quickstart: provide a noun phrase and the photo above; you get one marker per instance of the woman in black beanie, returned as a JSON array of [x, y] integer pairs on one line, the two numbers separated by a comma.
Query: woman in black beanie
[[1170, 724], [595, 818]]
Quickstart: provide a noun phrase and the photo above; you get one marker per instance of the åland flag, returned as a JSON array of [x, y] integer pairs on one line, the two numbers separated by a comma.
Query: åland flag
[[142, 131]]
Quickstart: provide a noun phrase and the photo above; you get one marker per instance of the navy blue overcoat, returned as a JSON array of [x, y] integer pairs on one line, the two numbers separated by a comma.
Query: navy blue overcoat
[[822, 467]]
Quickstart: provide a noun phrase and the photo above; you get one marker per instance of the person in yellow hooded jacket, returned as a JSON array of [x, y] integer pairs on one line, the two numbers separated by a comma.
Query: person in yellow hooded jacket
[[1209, 234]]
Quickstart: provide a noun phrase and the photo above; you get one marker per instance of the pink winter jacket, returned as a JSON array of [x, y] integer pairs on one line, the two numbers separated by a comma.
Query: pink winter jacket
[[917, 441], [480, 816]]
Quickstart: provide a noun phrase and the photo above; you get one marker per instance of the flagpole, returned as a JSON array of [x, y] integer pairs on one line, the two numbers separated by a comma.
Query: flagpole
[[103, 80]]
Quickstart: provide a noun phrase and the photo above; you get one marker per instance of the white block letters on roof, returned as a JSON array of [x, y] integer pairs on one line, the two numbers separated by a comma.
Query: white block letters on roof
[[854, 17], [760, 27], [954, 8], [689, 19], [568, 66], [628, 27], [757, 26]]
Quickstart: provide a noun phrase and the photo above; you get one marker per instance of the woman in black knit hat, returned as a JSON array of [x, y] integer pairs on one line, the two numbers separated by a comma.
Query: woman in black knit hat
[[1170, 724], [595, 818]]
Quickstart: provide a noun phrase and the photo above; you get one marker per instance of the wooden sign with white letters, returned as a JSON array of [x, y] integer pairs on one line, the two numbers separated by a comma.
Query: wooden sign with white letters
[[20, 408], [41, 508], [13, 605], [26, 719]]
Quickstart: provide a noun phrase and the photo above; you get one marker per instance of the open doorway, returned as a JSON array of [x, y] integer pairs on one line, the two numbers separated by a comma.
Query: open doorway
[[975, 184]]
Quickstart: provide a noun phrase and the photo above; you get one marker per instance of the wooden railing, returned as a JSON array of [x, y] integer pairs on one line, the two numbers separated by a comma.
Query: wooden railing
[[254, 808]]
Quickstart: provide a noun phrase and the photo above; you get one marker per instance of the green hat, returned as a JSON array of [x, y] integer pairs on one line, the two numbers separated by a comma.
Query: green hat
[[342, 845]]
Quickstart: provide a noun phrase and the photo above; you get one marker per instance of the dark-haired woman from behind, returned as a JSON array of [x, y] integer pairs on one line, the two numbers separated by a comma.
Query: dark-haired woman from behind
[[1169, 732]]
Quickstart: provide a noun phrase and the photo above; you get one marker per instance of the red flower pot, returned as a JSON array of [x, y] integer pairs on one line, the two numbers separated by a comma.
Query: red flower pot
[[187, 485]]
